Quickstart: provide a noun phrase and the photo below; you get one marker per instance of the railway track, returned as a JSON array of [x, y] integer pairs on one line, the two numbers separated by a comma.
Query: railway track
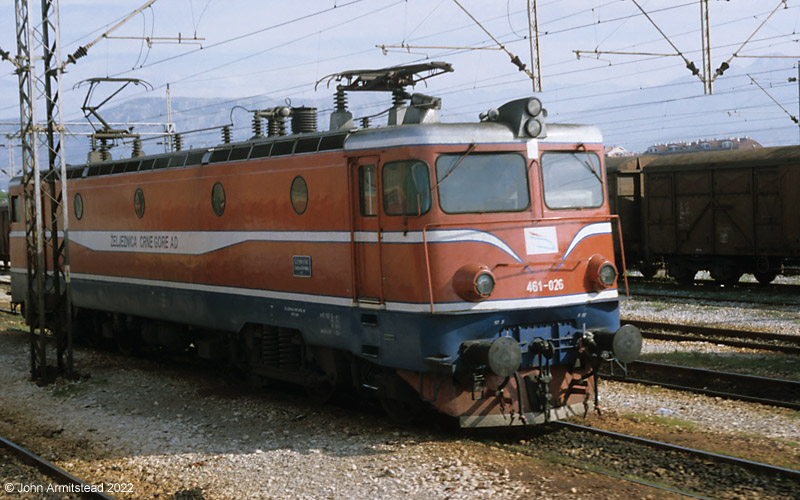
[[687, 471], [711, 285], [760, 299], [665, 466], [764, 390], [68, 484], [789, 344], [706, 290]]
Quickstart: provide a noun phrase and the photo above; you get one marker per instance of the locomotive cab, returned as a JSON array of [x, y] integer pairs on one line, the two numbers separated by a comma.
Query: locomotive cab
[[504, 250]]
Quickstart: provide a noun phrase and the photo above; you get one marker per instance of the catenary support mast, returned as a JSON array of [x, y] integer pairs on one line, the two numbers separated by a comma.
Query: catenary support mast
[[45, 209]]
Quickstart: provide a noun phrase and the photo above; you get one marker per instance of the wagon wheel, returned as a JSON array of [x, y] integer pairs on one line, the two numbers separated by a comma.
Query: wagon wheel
[[683, 275], [726, 274], [648, 270], [765, 270], [765, 277]]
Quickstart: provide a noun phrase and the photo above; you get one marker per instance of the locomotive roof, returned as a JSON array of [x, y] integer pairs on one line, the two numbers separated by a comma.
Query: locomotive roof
[[294, 144], [571, 133], [781, 155], [464, 133]]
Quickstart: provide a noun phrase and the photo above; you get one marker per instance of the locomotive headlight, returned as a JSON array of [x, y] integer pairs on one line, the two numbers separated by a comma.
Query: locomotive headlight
[[607, 274], [534, 106], [474, 282], [533, 127], [484, 284], [600, 273]]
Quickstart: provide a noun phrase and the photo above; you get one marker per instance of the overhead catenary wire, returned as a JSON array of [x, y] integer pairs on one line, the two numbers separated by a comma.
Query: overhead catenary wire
[[247, 35], [447, 31], [84, 49], [360, 16], [794, 118], [443, 93], [514, 58], [288, 42], [689, 64], [580, 72], [725, 65]]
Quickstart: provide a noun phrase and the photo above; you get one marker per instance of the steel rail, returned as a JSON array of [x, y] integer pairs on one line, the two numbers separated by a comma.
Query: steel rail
[[54, 471], [722, 341], [716, 298], [705, 377], [724, 336], [759, 467], [710, 330]]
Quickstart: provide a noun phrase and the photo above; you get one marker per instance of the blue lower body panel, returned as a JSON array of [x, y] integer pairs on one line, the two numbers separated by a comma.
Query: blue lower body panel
[[411, 341]]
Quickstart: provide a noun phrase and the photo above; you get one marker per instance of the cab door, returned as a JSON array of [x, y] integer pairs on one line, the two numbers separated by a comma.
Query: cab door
[[366, 236]]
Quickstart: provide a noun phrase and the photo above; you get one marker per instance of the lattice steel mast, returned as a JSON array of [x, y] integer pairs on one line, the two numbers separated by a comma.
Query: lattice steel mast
[[48, 305]]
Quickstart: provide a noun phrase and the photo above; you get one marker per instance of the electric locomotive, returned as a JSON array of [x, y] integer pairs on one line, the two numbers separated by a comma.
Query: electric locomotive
[[464, 266]]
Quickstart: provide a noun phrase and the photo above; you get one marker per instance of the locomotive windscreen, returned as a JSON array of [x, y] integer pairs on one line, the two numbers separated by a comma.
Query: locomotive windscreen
[[495, 182], [572, 180]]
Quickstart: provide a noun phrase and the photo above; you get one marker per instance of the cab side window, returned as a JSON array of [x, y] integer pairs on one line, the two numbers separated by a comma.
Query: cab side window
[[368, 189], [406, 188], [15, 209]]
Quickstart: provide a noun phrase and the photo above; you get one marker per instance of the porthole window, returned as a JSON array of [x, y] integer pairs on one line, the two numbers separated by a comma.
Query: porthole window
[[138, 203], [299, 195], [218, 199], [78, 205]]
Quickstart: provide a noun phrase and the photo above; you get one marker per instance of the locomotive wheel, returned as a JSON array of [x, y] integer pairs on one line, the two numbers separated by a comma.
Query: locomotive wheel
[[90, 328], [401, 411], [127, 343], [765, 277], [93, 338], [321, 392]]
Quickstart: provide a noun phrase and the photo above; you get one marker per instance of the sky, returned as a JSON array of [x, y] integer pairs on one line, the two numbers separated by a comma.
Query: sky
[[267, 51]]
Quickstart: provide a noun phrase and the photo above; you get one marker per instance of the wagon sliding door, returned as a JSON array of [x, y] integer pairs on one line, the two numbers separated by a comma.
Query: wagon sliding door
[[364, 175], [768, 215]]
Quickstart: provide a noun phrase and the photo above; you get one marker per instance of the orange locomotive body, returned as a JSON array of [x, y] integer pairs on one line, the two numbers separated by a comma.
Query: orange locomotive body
[[467, 266]]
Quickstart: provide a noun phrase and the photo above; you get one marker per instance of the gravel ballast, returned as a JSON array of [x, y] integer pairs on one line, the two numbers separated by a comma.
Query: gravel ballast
[[179, 433]]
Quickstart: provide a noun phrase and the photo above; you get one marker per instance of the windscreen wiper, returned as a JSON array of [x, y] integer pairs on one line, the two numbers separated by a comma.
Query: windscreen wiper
[[469, 150], [588, 164]]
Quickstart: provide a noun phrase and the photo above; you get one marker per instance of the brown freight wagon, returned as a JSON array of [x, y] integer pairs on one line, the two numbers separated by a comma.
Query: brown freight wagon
[[5, 228], [727, 212], [625, 185]]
